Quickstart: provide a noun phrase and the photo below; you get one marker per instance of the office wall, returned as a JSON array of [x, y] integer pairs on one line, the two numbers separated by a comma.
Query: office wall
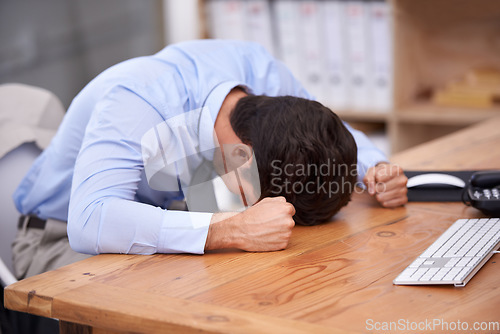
[[61, 45]]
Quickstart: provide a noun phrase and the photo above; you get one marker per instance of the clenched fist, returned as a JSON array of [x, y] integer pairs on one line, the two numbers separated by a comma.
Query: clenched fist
[[266, 226], [387, 183]]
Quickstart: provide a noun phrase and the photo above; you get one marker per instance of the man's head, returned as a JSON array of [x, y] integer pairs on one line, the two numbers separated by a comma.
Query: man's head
[[303, 152]]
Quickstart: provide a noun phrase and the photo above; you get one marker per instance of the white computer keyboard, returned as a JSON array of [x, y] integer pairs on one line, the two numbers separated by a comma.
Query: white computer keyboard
[[456, 255]]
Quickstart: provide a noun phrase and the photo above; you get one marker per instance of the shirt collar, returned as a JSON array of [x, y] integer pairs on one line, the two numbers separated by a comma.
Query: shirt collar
[[208, 115]]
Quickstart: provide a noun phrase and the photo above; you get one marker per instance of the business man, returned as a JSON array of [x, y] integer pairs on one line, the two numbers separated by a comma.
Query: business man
[[98, 174]]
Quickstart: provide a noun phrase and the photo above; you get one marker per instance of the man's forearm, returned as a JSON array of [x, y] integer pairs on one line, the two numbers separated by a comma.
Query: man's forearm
[[221, 233]]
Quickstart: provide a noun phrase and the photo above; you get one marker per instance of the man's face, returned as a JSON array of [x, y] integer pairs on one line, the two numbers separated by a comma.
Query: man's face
[[236, 165]]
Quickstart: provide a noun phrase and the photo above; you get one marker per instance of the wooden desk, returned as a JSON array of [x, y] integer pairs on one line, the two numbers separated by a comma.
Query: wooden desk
[[332, 278]]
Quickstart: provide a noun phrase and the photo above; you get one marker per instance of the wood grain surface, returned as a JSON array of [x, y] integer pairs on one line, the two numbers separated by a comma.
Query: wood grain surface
[[333, 278]]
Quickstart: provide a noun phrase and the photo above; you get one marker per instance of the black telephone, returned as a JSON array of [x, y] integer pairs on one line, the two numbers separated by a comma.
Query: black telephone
[[483, 190]]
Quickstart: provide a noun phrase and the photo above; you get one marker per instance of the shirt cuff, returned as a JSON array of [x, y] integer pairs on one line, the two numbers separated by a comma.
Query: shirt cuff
[[184, 232], [369, 160]]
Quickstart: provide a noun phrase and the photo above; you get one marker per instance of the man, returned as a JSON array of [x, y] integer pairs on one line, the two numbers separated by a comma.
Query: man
[[100, 172]]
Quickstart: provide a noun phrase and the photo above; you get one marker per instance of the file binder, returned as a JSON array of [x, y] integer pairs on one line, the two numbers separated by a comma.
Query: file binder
[[286, 18], [258, 23], [357, 36], [226, 19], [380, 37], [336, 65], [311, 47]]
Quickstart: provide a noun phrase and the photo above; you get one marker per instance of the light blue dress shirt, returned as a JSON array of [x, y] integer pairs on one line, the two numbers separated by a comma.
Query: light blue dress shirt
[[92, 174]]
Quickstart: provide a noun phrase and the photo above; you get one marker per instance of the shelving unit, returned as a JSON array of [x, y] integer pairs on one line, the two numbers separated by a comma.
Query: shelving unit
[[434, 42]]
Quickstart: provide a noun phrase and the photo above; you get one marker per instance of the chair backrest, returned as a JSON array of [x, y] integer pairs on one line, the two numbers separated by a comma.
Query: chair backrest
[[29, 117], [13, 167]]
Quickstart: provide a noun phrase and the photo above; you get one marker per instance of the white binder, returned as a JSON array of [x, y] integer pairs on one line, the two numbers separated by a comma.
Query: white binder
[[311, 47], [358, 54], [381, 56], [258, 26], [226, 19], [286, 18], [336, 65]]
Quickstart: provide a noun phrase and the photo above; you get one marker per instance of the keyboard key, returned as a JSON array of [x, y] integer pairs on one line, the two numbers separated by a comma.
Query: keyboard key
[[462, 274], [451, 274], [440, 274], [474, 261], [452, 262], [417, 262], [419, 273], [429, 274], [406, 274], [463, 262]]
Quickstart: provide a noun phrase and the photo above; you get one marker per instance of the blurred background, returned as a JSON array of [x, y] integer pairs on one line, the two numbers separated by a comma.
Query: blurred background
[[61, 45], [403, 71]]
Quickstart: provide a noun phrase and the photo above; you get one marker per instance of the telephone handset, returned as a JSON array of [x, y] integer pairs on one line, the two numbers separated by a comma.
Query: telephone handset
[[483, 191]]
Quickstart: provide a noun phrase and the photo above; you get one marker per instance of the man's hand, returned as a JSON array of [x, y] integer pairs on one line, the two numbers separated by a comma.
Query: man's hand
[[387, 183], [266, 226]]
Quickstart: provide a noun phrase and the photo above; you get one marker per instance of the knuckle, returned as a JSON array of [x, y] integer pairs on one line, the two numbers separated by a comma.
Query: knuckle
[[403, 181], [287, 225]]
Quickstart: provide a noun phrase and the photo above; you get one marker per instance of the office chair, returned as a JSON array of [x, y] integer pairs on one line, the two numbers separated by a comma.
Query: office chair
[[13, 167], [29, 117]]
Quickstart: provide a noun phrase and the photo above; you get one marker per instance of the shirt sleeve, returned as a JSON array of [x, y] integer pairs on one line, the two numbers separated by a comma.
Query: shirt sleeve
[[104, 215], [368, 154]]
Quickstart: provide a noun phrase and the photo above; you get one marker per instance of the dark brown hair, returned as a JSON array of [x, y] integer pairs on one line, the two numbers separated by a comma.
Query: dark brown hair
[[303, 151]]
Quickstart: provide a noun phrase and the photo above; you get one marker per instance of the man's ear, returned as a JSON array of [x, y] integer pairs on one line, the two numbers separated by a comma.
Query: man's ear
[[240, 154]]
